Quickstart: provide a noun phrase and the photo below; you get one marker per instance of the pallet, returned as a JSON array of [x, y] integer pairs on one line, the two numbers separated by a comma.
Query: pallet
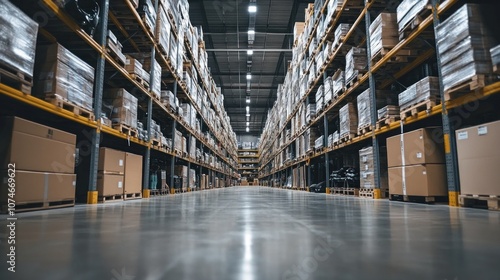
[[354, 80], [400, 57], [350, 191], [33, 206], [415, 22], [418, 199], [369, 193], [474, 83], [346, 137], [130, 196], [114, 52], [123, 128], [15, 79], [110, 198], [365, 129], [496, 69], [490, 202], [425, 105], [60, 102], [387, 121], [140, 80]]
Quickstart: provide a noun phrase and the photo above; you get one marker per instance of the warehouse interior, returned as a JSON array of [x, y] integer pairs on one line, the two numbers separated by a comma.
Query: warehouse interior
[[249, 139]]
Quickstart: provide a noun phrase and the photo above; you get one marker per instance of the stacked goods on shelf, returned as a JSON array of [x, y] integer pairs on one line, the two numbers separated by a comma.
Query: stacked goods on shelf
[[192, 179], [367, 169], [110, 178], [348, 121], [383, 34], [189, 114], [333, 7], [310, 112], [192, 148], [319, 100], [340, 34], [162, 34], [407, 11], [388, 112], [319, 143], [18, 40], [356, 64], [495, 58], [422, 92], [338, 83], [328, 91], [464, 45], [124, 107], [43, 160], [178, 141], [147, 11], [132, 186], [168, 99], [156, 74], [417, 164], [478, 159], [298, 29], [115, 47], [310, 137], [365, 110], [63, 75]]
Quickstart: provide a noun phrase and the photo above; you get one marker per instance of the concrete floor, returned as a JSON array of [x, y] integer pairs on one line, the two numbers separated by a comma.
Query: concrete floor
[[253, 233]]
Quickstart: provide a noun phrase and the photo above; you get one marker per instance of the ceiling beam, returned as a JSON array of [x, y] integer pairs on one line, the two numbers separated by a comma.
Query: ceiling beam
[[263, 74], [254, 87], [254, 50]]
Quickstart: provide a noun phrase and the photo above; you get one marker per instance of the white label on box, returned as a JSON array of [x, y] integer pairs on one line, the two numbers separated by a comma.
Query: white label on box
[[463, 135], [366, 167], [424, 172], [365, 158], [74, 183], [120, 162], [120, 185], [419, 155], [482, 130], [365, 175]]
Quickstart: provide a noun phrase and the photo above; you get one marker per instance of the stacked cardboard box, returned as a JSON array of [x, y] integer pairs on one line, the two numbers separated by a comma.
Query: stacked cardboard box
[[319, 143], [338, 83], [495, 58], [147, 11], [192, 148], [181, 171], [388, 112], [192, 179], [320, 99], [62, 73], [124, 107], [18, 39], [464, 46], [425, 89], [163, 29], [408, 10], [383, 33], [478, 159], [356, 63], [367, 169], [43, 161], [340, 34], [110, 178], [348, 120], [416, 163], [115, 47], [133, 174], [365, 109]]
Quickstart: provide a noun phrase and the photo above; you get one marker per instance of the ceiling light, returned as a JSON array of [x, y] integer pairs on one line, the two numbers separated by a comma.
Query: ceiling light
[[248, 109], [248, 129], [248, 123], [249, 76], [248, 114], [248, 100], [249, 52], [252, 8], [251, 32]]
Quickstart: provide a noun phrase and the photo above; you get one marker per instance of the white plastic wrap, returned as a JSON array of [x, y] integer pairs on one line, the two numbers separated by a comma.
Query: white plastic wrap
[[338, 83], [348, 120], [340, 33], [18, 34], [388, 111], [366, 168], [320, 99], [356, 61], [425, 89], [364, 109], [328, 90], [124, 106], [319, 143], [408, 10]]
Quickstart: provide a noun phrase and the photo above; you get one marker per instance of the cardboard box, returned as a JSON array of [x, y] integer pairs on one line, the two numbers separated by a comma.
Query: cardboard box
[[133, 174], [203, 182], [133, 66], [420, 180], [35, 147], [421, 146], [109, 184], [478, 159], [111, 161], [43, 187]]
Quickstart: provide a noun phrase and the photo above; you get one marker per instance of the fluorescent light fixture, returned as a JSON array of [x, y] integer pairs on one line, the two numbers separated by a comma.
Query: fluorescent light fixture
[[248, 123], [251, 32], [248, 109], [248, 100], [249, 52], [252, 8], [248, 129], [249, 76], [248, 114]]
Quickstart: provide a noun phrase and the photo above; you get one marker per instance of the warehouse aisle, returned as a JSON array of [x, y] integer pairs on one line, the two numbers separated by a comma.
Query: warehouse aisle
[[253, 233]]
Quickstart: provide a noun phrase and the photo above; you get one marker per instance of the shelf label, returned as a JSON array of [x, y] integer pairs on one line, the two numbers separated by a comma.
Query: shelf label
[[120, 185], [463, 135], [120, 162], [482, 130]]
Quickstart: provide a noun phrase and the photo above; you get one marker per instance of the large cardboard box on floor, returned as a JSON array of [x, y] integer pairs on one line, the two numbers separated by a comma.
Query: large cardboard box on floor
[[109, 184], [39, 187], [35, 147], [418, 180], [133, 174], [478, 159], [111, 161], [420, 146]]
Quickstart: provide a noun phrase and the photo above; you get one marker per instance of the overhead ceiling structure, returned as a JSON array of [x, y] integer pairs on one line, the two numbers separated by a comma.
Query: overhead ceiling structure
[[249, 44]]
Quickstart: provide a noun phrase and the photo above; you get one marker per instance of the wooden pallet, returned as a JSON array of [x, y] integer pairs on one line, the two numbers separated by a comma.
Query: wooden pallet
[[115, 53], [129, 196], [369, 193], [33, 206], [474, 83], [15, 79], [491, 202], [425, 105], [354, 80], [110, 198], [400, 57], [346, 137], [60, 102], [418, 199], [123, 128], [365, 129], [415, 22], [140, 80], [350, 191], [387, 121], [496, 69]]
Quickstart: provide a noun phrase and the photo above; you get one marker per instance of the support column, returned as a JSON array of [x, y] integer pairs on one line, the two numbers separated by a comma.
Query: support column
[[172, 162]]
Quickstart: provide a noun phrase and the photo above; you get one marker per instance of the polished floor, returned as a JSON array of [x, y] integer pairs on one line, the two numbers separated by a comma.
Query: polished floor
[[255, 233]]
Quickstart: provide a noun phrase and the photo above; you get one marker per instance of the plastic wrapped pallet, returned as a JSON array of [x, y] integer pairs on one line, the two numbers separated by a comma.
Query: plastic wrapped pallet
[[367, 169], [340, 33], [124, 107], [328, 90], [334, 6], [365, 110], [167, 98], [62, 73], [348, 120], [163, 30], [18, 34], [319, 143], [319, 99], [425, 89], [495, 55], [383, 33], [156, 89], [408, 10], [338, 83], [388, 111], [356, 62], [464, 46]]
